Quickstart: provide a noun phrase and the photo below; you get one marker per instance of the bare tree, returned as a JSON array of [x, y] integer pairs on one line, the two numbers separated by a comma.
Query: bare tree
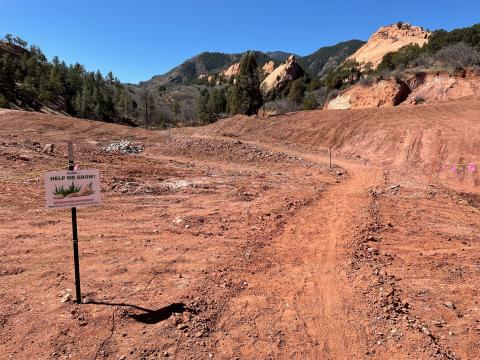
[[459, 55], [148, 104]]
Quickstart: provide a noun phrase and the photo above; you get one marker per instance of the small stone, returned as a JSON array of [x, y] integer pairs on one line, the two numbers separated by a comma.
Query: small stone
[[166, 354], [450, 305], [199, 334], [426, 331], [66, 297], [182, 326], [48, 148]]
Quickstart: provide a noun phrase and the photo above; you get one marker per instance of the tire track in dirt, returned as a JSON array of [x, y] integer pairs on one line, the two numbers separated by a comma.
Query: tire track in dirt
[[311, 311]]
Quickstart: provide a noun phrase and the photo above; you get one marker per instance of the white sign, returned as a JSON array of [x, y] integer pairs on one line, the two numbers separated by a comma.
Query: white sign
[[72, 188]]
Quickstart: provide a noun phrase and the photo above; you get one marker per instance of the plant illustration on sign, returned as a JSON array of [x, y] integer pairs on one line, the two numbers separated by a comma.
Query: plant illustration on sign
[[72, 191]]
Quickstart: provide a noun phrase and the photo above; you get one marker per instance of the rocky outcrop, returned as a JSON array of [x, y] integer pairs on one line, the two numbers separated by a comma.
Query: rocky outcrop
[[384, 93], [280, 77], [268, 67], [232, 70], [389, 39], [414, 89], [431, 88]]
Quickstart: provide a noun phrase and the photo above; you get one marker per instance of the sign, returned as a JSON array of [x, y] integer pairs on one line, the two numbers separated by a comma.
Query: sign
[[72, 188]]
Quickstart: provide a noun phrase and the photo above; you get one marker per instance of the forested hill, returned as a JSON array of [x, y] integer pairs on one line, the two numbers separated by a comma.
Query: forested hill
[[29, 81]]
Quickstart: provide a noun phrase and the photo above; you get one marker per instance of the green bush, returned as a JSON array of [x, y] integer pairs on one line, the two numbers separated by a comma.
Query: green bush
[[310, 102], [3, 102]]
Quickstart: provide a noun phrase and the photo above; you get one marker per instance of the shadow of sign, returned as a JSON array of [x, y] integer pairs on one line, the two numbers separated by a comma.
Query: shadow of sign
[[147, 316]]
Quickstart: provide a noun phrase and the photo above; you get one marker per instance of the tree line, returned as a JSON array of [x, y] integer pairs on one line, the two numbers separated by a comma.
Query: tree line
[[29, 81]]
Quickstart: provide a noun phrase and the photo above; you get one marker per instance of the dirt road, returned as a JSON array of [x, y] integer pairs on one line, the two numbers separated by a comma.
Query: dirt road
[[303, 306]]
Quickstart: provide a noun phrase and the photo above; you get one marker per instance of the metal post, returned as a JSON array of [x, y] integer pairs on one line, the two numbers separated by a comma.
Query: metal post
[[330, 152], [74, 232]]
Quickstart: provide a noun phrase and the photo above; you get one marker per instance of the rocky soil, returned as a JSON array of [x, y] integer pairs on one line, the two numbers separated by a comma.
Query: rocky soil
[[238, 241]]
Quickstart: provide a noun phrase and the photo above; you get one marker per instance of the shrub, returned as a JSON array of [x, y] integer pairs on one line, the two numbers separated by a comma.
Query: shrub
[[310, 102], [367, 81], [297, 91], [458, 55], [419, 99], [332, 94], [3, 102], [281, 106]]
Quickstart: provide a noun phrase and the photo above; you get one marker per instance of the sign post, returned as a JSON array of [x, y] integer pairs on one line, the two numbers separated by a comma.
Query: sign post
[[70, 189], [74, 232], [330, 153]]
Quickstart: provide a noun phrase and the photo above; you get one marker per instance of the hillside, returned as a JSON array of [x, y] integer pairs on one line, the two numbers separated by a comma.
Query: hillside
[[329, 57], [182, 85], [243, 243], [389, 39]]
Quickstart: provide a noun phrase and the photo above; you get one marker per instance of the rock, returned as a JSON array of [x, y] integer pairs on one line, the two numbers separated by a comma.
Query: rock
[[124, 147], [48, 148], [426, 331], [66, 297], [24, 158], [233, 70], [282, 75], [450, 305], [182, 326], [382, 93], [199, 334], [389, 39], [430, 88], [268, 67]]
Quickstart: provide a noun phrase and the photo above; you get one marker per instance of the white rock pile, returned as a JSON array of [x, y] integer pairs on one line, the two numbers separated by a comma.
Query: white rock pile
[[124, 147]]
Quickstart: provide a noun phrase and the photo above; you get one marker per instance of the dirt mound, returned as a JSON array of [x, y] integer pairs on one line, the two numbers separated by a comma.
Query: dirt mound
[[424, 135], [380, 94], [389, 39]]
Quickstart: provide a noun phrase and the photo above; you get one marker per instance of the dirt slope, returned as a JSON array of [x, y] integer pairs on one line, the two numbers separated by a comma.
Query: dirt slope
[[237, 241]]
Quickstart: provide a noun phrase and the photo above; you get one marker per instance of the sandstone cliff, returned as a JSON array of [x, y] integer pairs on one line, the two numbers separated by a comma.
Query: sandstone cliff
[[279, 77], [389, 39]]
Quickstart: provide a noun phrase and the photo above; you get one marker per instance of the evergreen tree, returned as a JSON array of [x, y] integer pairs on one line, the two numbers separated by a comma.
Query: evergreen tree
[[203, 111], [310, 102], [246, 97], [297, 91]]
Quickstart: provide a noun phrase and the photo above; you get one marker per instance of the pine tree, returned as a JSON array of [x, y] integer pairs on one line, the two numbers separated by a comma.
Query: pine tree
[[246, 97], [203, 111], [297, 91]]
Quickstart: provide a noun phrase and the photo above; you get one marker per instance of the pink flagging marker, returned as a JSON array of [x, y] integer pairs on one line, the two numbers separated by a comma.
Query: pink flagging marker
[[453, 169], [472, 167]]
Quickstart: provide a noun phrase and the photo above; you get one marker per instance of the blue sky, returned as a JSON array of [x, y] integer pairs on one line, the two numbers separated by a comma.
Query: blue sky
[[139, 39]]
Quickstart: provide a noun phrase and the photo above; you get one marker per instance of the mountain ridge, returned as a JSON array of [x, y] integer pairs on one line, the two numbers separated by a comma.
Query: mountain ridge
[[205, 63]]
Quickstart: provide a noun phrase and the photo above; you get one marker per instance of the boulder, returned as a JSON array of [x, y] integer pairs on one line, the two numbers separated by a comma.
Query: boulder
[[279, 78], [233, 70], [383, 93], [268, 67]]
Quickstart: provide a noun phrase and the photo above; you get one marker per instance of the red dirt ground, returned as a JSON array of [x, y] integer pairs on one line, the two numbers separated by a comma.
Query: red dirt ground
[[236, 240]]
